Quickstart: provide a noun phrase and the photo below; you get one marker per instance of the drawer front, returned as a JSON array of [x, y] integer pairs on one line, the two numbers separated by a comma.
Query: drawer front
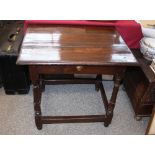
[[79, 69]]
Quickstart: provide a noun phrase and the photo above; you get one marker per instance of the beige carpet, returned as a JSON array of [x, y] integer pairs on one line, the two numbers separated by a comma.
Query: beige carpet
[[17, 116]]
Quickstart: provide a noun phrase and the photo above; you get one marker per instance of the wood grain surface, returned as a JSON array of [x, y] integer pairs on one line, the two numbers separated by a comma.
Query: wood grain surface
[[85, 45]]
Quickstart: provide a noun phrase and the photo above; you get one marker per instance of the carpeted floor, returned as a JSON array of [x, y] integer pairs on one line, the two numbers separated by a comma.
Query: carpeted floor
[[17, 116]]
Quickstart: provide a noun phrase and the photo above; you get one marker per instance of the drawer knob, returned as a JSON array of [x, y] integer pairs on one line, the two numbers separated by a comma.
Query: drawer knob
[[79, 68]]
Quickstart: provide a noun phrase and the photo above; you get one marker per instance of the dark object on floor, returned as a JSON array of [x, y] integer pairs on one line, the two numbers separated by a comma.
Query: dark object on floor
[[140, 91], [15, 78]]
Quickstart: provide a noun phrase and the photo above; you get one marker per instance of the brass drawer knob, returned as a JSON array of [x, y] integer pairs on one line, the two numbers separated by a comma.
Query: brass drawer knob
[[79, 68]]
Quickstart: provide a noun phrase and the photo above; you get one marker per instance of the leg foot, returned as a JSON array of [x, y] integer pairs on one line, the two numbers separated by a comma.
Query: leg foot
[[38, 123], [39, 127], [106, 124], [138, 118]]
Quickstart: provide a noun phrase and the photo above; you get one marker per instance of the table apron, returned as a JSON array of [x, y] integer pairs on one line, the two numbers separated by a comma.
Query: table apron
[[74, 69]]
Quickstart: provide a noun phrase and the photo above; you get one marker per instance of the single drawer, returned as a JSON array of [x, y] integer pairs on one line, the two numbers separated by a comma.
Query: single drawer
[[78, 69]]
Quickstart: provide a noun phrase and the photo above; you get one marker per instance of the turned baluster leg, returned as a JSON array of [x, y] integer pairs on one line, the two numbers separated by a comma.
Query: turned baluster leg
[[111, 105], [37, 92]]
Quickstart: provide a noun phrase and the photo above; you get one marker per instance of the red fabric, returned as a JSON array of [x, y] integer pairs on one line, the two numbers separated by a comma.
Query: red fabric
[[128, 29]]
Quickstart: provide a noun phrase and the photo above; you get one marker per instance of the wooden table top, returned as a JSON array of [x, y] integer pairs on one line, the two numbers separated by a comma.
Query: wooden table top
[[74, 45]]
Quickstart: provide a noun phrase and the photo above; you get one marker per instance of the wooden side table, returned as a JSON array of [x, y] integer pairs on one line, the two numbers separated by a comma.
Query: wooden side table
[[74, 50]]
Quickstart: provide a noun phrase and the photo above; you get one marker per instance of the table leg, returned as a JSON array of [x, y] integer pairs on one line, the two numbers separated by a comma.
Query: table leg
[[97, 83], [37, 91], [38, 87], [42, 84], [111, 105]]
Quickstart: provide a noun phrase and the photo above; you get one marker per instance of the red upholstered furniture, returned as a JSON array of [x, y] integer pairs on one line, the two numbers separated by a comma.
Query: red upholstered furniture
[[128, 29]]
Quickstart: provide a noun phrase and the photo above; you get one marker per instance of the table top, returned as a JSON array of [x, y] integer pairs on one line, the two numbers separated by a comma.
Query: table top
[[74, 45]]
